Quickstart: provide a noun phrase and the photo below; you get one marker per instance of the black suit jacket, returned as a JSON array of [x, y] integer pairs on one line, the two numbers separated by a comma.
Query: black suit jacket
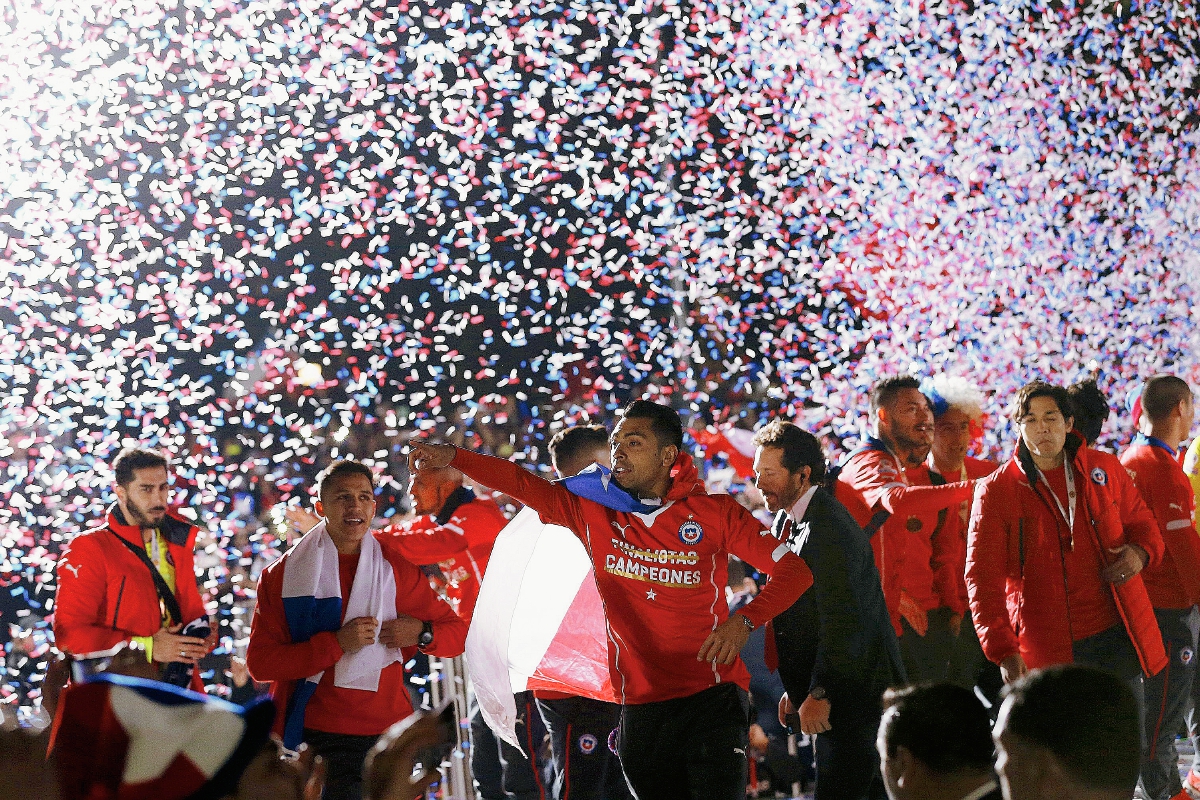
[[839, 634]]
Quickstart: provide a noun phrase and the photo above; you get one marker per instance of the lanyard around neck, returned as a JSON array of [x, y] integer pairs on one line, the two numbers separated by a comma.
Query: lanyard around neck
[[1068, 514]]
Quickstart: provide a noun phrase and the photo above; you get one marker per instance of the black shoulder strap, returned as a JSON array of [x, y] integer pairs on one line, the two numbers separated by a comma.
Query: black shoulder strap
[[876, 522], [936, 479], [160, 584], [877, 519]]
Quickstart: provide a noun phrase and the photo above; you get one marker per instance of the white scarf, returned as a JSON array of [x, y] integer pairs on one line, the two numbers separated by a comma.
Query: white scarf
[[311, 570]]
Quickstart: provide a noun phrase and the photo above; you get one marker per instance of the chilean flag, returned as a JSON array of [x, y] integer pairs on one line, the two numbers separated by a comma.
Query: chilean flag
[[124, 738], [547, 632], [736, 443]]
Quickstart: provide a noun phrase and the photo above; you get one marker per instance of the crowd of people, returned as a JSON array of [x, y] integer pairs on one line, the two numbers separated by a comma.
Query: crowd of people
[[909, 598]]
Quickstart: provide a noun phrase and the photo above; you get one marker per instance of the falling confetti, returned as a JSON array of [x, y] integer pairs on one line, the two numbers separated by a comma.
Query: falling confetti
[[262, 234]]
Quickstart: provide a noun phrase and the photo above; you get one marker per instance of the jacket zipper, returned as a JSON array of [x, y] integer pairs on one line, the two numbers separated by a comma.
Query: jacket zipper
[[117, 610], [1021, 545]]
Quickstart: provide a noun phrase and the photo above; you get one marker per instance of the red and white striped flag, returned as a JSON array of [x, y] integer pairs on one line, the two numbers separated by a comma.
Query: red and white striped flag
[[538, 624]]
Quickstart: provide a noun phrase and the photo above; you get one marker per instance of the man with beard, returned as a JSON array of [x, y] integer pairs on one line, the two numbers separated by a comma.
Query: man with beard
[[660, 545], [132, 578], [835, 646], [899, 514]]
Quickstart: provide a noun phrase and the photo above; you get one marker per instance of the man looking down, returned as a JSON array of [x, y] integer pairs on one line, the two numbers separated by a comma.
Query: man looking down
[[660, 544]]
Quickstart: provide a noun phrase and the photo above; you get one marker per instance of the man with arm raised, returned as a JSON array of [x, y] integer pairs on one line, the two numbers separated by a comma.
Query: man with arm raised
[[660, 546]]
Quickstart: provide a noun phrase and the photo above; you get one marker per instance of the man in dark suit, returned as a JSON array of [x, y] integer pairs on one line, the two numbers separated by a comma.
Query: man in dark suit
[[935, 742], [836, 647]]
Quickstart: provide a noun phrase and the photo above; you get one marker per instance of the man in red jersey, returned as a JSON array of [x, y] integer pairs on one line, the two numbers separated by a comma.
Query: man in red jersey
[[660, 546], [900, 515], [1174, 584], [957, 413], [340, 678], [134, 578]]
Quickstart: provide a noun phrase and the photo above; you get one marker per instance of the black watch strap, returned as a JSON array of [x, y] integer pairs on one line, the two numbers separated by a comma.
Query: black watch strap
[[426, 637]]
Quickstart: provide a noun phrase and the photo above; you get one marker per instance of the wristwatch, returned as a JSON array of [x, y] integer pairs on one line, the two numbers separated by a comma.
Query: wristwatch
[[817, 693], [426, 637], [746, 621]]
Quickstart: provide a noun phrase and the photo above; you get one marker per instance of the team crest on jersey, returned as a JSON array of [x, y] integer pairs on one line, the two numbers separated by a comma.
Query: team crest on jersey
[[1186, 655], [587, 744], [1099, 477], [690, 532]]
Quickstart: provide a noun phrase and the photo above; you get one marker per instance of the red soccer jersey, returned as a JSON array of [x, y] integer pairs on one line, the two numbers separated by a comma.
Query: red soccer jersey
[[1175, 583], [661, 575]]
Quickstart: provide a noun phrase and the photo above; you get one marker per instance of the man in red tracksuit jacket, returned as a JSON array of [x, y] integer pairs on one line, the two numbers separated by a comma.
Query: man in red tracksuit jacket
[[957, 413], [456, 530], [899, 515], [1055, 549], [661, 570], [343, 723], [106, 592], [1173, 585], [452, 528]]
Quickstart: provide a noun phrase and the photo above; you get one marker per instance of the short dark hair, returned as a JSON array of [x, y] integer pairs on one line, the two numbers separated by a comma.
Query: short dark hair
[[1162, 394], [1090, 406], [885, 391], [341, 467], [132, 459], [943, 725], [800, 448], [668, 430], [1086, 717], [1026, 394], [570, 442]]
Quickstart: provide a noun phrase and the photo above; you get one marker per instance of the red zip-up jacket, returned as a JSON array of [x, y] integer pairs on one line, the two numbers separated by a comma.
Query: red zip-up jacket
[[106, 594], [871, 481], [461, 547], [950, 569], [273, 657], [1175, 583], [1016, 565], [662, 575]]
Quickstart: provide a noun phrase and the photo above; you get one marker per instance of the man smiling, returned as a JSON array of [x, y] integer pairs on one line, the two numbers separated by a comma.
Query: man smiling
[[334, 616], [660, 546]]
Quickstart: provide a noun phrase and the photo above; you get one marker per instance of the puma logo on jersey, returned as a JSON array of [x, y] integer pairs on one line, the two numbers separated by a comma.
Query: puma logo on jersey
[[622, 530], [74, 570], [1176, 506]]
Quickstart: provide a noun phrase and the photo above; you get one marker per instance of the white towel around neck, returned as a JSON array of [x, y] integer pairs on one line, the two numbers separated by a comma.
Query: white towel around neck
[[312, 570]]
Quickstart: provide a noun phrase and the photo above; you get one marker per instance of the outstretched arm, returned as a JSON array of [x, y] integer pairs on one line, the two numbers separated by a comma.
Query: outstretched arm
[[554, 503]]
